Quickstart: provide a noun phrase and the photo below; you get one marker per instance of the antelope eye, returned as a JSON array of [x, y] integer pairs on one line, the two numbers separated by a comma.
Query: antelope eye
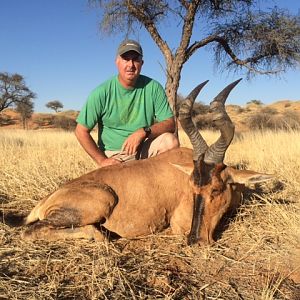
[[215, 192]]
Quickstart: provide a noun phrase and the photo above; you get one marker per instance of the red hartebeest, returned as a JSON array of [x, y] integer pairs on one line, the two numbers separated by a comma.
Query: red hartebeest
[[186, 190]]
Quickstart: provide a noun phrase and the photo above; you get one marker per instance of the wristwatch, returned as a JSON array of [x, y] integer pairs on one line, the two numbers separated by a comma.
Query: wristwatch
[[147, 130]]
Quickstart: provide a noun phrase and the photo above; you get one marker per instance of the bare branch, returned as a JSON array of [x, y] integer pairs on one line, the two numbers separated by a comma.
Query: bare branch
[[184, 3], [268, 42], [187, 29], [147, 21]]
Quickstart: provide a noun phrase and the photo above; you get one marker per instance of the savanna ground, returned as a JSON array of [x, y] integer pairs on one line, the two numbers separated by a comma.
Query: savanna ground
[[256, 257]]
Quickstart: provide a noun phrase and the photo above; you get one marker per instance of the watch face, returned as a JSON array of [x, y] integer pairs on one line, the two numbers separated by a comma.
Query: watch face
[[147, 130]]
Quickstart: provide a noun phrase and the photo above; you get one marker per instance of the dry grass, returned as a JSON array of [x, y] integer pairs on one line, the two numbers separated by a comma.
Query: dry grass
[[255, 258]]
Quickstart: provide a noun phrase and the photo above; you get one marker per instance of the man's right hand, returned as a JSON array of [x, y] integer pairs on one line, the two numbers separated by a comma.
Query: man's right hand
[[85, 139], [108, 162]]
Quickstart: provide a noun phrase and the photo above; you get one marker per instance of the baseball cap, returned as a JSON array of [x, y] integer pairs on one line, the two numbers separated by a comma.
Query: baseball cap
[[130, 45]]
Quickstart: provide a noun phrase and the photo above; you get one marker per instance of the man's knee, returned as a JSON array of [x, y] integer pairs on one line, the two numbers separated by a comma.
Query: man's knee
[[162, 143], [170, 141]]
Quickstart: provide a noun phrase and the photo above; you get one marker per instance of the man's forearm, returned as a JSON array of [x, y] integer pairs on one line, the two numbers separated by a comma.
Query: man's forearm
[[162, 127], [89, 145]]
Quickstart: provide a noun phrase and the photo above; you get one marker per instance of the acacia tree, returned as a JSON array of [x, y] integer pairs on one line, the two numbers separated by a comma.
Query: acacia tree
[[55, 105], [13, 90], [25, 109], [239, 35]]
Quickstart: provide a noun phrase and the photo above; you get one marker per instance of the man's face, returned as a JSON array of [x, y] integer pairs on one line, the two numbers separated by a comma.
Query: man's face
[[129, 66]]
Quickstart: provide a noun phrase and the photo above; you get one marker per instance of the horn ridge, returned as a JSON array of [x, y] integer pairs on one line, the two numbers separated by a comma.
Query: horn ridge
[[216, 152], [185, 118]]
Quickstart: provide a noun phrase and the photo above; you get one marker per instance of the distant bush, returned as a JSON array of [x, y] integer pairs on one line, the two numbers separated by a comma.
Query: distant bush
[[247, 109], [236, 108], [270, 120], [259, 121], [200, 114], [44, 121], [200, 108], [269, 110], [6, 120], [240, 110], [203, 121], [256, 102], [70, 113], [291, 120], [64, 122]]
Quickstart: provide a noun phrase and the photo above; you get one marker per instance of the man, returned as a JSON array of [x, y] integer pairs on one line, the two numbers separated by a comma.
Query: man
[[132, 112]]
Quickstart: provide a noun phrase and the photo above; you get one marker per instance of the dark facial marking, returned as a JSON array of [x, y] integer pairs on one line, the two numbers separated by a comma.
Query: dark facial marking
[[198, 210]]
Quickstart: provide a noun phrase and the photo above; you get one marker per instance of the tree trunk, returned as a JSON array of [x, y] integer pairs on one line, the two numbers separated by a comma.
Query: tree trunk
[[24, 122], [171, 88]]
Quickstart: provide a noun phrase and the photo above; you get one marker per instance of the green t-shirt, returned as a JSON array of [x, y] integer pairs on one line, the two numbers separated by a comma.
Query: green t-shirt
[[119, 111]]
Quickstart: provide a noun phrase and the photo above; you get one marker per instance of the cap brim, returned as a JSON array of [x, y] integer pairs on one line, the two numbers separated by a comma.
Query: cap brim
[[123, 51]]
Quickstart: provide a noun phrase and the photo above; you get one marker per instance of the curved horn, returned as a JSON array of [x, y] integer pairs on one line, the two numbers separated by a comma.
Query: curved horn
[[222, 96], [185, 118], [216, 152]]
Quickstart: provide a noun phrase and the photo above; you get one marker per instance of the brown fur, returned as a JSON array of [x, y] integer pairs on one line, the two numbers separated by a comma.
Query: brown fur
[[137, 199]]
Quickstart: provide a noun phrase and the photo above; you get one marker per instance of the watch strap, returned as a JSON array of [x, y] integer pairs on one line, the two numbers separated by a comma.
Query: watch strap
[[147, 131]]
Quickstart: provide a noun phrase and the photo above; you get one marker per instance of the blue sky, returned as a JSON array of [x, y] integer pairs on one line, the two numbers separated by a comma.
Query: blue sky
[[57, 47]]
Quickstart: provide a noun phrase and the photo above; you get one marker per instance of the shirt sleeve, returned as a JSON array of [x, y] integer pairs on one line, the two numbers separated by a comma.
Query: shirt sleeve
[[91, 112], [162, 107]]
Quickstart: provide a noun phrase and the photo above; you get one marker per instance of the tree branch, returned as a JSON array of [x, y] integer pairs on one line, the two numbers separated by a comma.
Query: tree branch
[[184, 4], [234, 58], [151, 28], [187, 30]]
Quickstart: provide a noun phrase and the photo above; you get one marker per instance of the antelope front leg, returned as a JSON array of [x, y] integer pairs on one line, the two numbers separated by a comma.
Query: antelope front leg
[[42, 230], [70, 210]]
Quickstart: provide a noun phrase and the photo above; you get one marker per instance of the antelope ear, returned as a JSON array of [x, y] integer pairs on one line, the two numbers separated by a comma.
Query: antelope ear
[[185, 168], [247, 176]]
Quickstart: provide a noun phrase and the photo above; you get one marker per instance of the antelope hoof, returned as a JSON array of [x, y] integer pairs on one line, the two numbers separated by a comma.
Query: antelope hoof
[[192, 239]]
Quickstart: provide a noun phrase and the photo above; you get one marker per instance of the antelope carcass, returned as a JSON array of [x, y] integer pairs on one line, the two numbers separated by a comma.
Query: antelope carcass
[[187, 190]]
